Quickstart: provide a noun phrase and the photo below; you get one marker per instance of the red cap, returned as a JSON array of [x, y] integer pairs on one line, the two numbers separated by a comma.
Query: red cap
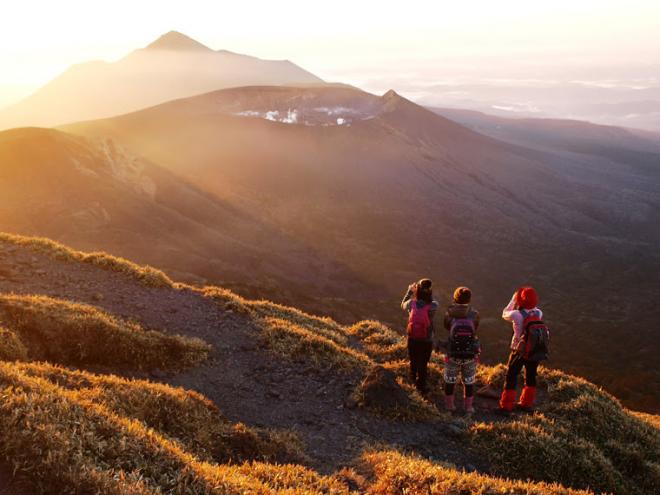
[[527, 298]]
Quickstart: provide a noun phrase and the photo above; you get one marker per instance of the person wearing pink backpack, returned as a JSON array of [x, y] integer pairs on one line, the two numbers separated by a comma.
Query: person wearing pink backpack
[[418, 302], [529, 346]]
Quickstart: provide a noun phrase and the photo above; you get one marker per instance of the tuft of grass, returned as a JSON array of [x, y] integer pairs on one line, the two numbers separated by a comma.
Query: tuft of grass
[[296, 343], [65, 441], [390, 472], [77, 334], [182, 415], [581, 436], [147, 275], [380, 343], [264, 310], [11, 346]]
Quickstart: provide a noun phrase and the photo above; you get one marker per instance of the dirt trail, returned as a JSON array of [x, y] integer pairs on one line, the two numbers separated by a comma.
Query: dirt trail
[[248, 383]]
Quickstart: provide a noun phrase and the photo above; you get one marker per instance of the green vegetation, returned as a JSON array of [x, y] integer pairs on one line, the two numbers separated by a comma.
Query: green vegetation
[[145, 274], [42, 328]]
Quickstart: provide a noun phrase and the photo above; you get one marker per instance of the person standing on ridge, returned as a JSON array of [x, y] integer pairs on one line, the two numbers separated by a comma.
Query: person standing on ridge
[[462, 353], [419, 304], [529, 346]]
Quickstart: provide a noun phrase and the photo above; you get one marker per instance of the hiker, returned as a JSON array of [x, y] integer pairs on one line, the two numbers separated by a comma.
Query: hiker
[[462, 352], [418, 302], [529, 346]]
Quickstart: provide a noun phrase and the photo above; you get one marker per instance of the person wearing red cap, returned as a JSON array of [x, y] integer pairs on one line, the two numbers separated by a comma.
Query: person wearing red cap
[[523, 304]]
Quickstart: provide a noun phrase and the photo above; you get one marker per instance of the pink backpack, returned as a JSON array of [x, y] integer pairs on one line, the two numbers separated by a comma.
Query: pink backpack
[[419, 321]]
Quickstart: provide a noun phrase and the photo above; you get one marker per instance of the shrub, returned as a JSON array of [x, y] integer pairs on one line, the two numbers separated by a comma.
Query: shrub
[[77, 334]]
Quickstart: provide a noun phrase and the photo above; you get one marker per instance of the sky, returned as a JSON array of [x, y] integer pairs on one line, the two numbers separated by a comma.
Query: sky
[[359, 42]]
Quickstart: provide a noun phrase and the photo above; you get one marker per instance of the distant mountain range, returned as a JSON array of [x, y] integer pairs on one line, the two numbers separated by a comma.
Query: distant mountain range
[[393, 191], [171, 67]]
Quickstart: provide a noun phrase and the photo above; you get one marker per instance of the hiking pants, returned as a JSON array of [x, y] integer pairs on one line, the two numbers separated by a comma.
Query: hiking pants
[[466, 369], [419, 352], [517, 363]]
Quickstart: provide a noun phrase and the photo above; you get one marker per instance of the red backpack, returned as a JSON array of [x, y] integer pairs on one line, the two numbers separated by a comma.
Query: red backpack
[[535, 342], [419, 321]]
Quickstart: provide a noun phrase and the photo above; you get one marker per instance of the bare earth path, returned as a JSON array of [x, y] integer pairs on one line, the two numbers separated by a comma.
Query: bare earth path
[[248, 383]]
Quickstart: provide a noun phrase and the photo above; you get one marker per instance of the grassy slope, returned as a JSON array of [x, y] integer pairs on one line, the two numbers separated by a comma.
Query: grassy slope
[[42, 328], [106, 434]]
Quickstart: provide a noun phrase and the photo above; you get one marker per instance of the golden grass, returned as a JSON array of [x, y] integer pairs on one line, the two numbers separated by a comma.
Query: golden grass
[[42, 328], [11, 347], [296, 343], [379, 342], [75, 432], [182, 415], [389, 473], [89, 434], [145, 274], [581, 436]]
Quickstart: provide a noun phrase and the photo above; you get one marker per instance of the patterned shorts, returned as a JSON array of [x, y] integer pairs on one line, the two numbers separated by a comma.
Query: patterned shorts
[[467, 368]]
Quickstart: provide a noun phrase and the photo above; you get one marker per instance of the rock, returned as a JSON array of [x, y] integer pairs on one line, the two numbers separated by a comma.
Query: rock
[[489, 391], [380, 390], [454, 430]]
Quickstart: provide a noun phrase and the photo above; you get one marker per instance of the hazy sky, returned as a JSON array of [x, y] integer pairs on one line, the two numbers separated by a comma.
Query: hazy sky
[[353, 41]]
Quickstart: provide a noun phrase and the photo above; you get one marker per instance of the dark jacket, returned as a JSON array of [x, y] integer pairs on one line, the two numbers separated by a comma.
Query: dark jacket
[[408, 300]]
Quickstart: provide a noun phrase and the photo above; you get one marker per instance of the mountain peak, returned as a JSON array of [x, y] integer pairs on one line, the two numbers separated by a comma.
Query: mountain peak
[[175, 40], [391, 94]]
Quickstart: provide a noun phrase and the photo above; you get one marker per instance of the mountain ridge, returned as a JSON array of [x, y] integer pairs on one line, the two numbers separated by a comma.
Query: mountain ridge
[[294, 404], [143, 78]]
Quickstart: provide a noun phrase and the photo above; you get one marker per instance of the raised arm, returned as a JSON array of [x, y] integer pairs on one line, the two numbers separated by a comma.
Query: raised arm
[[510, 309], [405, 304]]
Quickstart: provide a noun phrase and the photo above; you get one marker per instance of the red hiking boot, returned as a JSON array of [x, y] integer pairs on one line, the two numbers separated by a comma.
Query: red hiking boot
[[507, 400], [527, 399]]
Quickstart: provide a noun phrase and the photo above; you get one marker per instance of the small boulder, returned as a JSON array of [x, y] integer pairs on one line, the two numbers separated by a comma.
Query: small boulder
[[380, 390]]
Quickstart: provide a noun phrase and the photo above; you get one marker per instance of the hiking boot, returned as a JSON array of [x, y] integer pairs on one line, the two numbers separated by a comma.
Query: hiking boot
[[527, 399], [507, 400]]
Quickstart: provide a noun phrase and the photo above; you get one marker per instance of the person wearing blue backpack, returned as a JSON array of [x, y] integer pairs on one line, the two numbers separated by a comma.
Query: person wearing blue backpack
[[462, 352], [418, 302]]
